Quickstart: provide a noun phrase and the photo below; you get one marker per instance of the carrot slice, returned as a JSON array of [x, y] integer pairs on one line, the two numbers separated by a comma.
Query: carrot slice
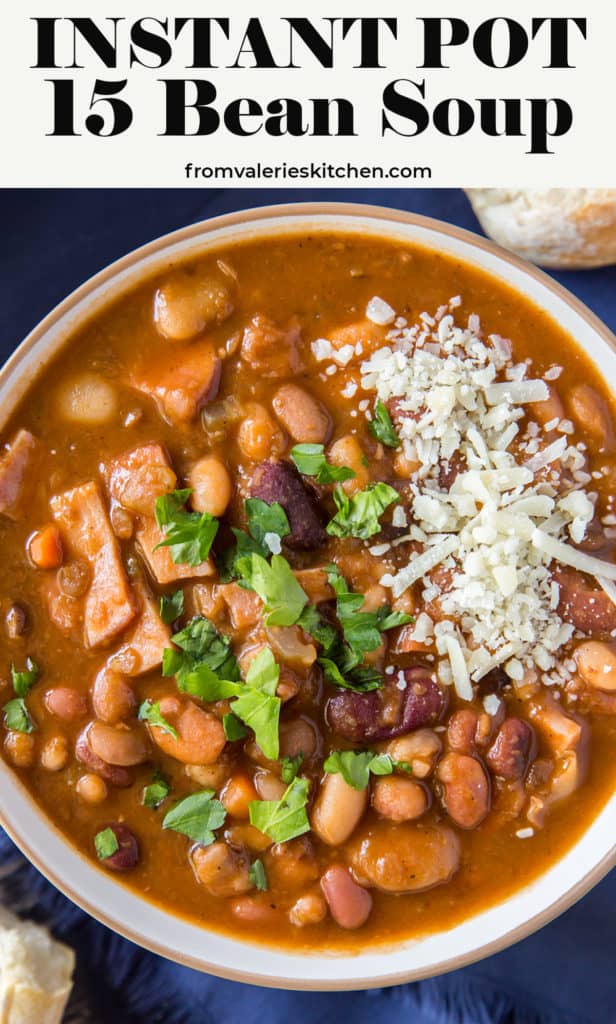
[[45, 548]]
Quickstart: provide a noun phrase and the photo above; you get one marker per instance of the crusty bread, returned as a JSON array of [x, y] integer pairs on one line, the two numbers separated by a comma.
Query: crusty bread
[[554, 227], [35, 973]]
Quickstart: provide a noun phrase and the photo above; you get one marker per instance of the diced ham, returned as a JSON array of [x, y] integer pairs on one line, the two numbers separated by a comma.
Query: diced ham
[[109, 605], [139, 466], [181, 380], [270, 350], [147, 638], [17, 472]]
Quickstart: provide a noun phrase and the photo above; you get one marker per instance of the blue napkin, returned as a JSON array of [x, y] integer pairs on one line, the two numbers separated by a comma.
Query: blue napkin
[[52, 241]]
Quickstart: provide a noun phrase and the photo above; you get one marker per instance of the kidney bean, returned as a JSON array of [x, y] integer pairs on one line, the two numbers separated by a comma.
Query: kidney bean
[[66, 703], [126, 856], [348, 902], [590, 610], [407, 857], [466, 789], [280, 482], [302, 416], [116, 775], [461, 731], [362, 717], [511, 751]]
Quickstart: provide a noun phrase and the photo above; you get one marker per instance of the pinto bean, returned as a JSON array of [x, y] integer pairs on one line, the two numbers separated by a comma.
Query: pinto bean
[[115, 774], [399, 799], [280, 481], [126, 856], [461, 731], [223, 871], [113, 698], [589, 609], [201, 737], [302, 416], [511, 751], [269, 786], [405, 858], [117, 744], [338, 810], [348, 902], [592, 415], [270, 350], [65, 702], [298, 736], [420, 749], [387, 713], [211, 484], [259, 437], [466, 789], [596, 664]]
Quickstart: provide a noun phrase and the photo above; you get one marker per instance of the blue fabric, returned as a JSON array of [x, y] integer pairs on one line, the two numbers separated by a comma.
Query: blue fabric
[[51, 242]]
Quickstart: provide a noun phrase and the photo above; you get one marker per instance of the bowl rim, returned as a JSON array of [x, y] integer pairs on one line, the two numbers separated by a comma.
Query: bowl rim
[[244, 218]]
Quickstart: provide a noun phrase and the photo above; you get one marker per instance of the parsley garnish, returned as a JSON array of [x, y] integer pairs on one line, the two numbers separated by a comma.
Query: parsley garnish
[[188, 535], [382, 426], [358, 516], [257, 876], [157, 791], [310, 461], [150, 712], [106, 843], [262, 519], [196, 816], [283, 598], [286, 818], [24, 681], [171, 606], [234, 729], [290, 766], [199, 643], [356, 766], [16, 716]]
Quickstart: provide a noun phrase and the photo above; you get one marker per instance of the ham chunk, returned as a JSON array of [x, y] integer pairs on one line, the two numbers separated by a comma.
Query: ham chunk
[[181, 380], [134, 480], [109, 604], [18, 472], [142, 650]]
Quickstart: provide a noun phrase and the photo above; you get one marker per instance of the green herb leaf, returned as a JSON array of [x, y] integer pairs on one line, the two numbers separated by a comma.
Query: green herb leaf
[[358, 516], [264, 519], [234, 730], [290, 766], [106, 843], [283, 598], [381, 426], [286, 818], [16, 716], [359, 680], [188, 535], [157, 791], [355, 766], [150, 712], [200, 643], [257, 876], [206, 685], [171, 606], [310, 461], [24, 681], [197, 816], [257, 705]]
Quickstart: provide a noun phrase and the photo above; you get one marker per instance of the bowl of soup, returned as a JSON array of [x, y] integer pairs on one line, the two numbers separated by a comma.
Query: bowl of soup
[[308, 597]]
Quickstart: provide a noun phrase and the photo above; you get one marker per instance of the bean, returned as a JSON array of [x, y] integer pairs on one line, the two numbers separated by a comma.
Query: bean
[[113, 698], [587, 607], [596, 664], [420, 749], [15, 622], [209, 776], [551, 409], [510, 753], [54, 754], [223, 871], [201, 737], [406, 858], [592, 415], [302, 416], [255, 910], [248, 836], [292, 864], [20, 747], [211, 486], [126, 856], [404, 467], [298, 737], [389, 712], [88, 399], [466, 789], [115, 774], [348, 902], [347, 451], [187, 303], [399, 799], [66, 702], [117, 744], [269, 786], [338, 810], [91, 788], [237, 795], [307, 910], [259, 437], [461, 731]]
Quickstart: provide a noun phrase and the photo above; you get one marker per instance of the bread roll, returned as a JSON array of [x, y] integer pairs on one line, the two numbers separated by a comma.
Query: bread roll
[[35, 973], [554, 227]]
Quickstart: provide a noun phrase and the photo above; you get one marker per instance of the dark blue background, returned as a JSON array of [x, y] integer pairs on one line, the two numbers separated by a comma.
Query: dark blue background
[[52, 241]]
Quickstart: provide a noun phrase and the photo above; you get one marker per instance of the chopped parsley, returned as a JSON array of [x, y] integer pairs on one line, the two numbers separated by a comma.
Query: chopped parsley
[[199, 643], [188, 535], [106, 843], [358, 515], [257, 876], [286, 818], [381, 426], [283, 598], [262, 520], [310, 461], [157, 791], [150, 712], [290, 766], [356, 766], [24, 680], [171, 606], [197, 816], [17, 717], [233, 727]]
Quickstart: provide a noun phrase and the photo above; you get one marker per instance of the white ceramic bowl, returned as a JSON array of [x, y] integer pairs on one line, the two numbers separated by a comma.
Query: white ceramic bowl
[[142, 922]]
